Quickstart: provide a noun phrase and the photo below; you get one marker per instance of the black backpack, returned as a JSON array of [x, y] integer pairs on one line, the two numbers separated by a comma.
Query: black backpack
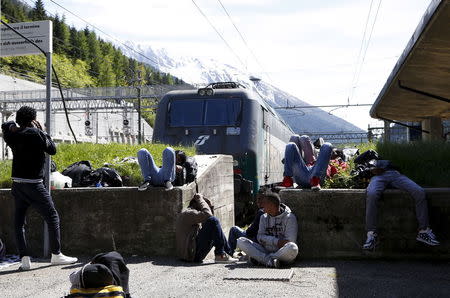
[[109, 177], [78, 171]]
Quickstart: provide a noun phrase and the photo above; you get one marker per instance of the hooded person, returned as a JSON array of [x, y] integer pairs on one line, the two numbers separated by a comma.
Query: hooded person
[[94, 280], [277, 235]]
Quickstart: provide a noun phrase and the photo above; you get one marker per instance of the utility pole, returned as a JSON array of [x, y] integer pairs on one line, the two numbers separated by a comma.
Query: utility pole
[[139, 109]]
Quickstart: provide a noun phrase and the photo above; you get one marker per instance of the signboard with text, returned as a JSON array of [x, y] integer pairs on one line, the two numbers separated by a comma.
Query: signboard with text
[[12, 44]]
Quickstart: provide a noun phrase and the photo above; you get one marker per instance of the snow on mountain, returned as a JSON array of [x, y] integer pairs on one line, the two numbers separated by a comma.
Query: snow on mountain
[[204, 71]]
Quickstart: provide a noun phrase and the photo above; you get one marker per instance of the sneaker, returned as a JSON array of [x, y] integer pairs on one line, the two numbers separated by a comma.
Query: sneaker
[[26, 264], [427, 237], [61, 259], [287, 182], [273, 263], [315, 183], [144, 186], [224, 258], [168, 185], [371, 241]]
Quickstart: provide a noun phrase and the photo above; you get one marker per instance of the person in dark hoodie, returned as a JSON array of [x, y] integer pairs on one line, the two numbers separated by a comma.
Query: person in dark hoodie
[[277, 235], [94, 280], [198, 231], [176, 168], [29, 144], [105, 269]]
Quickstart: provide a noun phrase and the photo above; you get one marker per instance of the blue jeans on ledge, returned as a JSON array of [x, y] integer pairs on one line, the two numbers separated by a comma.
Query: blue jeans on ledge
[[294, 165], [157, 176]]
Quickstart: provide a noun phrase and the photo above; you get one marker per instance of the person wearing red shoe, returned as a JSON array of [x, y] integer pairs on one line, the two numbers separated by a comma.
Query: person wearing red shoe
[[301, 165]]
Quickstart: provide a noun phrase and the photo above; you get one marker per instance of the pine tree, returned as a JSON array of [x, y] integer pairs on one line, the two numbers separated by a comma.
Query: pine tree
[[38, 13], [94, 56]]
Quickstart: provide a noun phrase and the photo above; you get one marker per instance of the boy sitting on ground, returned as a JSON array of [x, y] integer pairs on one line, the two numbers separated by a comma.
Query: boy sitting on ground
[[277, 235]]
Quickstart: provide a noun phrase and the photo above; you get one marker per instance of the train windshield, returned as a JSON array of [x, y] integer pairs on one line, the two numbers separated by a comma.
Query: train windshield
[[205, 112]]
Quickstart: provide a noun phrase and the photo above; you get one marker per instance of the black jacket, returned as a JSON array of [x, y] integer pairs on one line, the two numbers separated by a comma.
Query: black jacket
[[29, 146]]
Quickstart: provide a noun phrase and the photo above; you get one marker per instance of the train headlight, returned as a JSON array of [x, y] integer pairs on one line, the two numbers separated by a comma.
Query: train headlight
[[235, 163], [201, 92]]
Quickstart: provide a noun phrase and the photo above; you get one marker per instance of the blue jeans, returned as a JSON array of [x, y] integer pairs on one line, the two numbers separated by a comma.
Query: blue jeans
[[210, 235], [379, 183], [235, 233], [157, 176], [294, 165]]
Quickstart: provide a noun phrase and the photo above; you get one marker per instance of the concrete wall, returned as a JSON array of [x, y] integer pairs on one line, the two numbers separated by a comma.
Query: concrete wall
[[142, 223], [332, 223]]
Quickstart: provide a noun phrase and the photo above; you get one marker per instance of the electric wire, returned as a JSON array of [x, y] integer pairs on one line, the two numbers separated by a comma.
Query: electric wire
[[54, 71], [112, 37], [358, 74], [244, 41], [359, 53], [218, 33]]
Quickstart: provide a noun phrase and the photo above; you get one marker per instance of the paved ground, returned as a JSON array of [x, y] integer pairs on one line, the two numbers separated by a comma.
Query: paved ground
[[164, 277]]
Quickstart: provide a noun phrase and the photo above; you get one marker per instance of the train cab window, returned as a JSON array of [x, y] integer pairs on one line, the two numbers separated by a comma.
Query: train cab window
[[222, 112], [186, 113]]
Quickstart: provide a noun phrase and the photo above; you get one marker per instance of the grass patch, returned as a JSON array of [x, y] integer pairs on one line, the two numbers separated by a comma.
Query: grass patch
[[426, 163], [98, 155]]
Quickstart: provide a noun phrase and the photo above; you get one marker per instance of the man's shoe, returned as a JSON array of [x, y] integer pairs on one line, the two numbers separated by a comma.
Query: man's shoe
[[26, 264], [168, 185], [224, 258], [371, 241], [144, 186], [273, 263], [315, 183], [427, 237], [287, 182], [61, 259]]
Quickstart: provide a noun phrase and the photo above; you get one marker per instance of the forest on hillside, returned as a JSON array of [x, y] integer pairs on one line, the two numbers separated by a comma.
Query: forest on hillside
[[80, 57]]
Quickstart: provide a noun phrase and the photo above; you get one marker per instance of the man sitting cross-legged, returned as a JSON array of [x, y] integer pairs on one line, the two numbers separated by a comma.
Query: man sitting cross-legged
[[197, 231], [277, 234]]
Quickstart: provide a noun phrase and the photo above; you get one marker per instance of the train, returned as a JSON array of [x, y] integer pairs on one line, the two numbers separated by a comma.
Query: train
[[227, 118]]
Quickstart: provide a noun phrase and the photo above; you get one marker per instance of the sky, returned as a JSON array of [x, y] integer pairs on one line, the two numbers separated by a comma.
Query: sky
[[314, 50]]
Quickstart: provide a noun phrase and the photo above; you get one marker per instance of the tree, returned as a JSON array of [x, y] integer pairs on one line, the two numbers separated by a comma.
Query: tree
[[38, 12], [79, 47], [61, 34], [94, 55]]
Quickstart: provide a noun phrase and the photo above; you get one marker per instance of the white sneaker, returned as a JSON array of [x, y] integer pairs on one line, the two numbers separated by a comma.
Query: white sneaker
[[61, 259], [168, 185], [26, 263], [224, 258]]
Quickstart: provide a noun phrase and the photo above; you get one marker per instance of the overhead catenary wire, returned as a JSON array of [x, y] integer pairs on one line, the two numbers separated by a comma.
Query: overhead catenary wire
[[244, 40], [54, 71], [358, 74], [219, 34], [110, 36]]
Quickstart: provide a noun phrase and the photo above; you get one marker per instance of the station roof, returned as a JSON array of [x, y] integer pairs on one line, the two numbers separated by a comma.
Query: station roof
[[424, 67]]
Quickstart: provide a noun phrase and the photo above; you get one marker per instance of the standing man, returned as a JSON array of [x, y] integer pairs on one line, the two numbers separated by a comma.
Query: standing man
[[197, 231], [29, 143], [277, 235]]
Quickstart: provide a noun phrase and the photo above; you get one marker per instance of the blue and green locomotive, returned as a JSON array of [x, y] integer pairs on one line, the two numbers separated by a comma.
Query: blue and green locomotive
[[226, 118]]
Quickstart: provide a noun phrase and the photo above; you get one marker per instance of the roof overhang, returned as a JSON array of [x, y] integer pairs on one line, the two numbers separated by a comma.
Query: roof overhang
[[419, 85]]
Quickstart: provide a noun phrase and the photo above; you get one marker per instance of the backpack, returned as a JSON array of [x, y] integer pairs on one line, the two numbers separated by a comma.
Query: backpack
[[79, 171], [109, 177], [191, 169]]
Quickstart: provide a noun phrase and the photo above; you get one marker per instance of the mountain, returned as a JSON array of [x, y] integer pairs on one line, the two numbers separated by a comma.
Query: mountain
[[203, 71]]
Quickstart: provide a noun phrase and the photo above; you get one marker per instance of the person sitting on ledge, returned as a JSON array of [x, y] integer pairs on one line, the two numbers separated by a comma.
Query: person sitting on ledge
[[197, 231], [301, 164], [385, 174], [176, 169], [277, 235]]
